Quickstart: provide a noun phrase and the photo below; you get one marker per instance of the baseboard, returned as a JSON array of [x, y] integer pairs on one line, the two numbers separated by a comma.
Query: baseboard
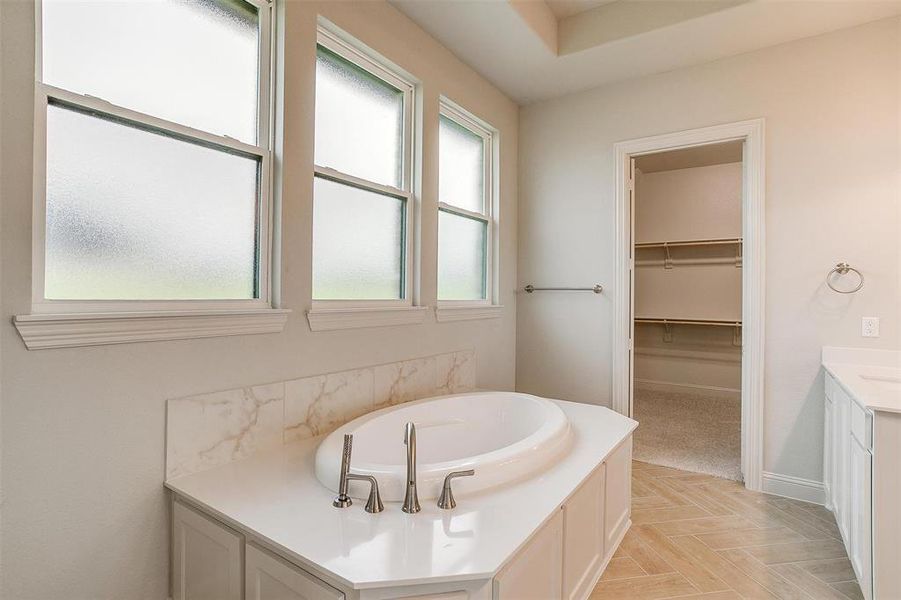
[[798, 488], [689, 388]]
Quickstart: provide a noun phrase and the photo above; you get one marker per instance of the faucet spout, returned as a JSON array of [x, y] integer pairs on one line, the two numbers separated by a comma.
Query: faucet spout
[[411, 498]]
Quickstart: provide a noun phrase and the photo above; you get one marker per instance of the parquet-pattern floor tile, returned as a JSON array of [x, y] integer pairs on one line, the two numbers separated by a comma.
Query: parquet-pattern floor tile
[[696, 536]]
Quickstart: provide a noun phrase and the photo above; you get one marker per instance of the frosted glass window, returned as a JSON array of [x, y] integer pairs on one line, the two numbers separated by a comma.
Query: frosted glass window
[[359, 121], [462, 254], [194, 62], [358, 241], [137, 215], [461, 177]]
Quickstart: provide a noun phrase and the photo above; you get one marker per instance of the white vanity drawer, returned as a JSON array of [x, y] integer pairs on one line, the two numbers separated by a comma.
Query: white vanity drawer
[[862, 425]]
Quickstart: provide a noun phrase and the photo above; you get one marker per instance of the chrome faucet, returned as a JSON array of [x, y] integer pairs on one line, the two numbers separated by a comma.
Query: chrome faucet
[[411, 498]]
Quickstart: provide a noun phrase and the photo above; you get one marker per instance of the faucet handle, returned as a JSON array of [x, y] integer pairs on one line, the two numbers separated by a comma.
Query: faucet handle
[[446, 501], [374, 503]]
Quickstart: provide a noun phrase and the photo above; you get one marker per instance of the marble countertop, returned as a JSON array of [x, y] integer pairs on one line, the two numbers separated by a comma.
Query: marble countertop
[[871, 377], [275, 496]]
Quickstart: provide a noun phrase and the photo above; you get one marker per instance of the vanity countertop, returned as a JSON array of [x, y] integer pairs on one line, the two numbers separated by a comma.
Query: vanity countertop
[[275, 497], [871, 377]]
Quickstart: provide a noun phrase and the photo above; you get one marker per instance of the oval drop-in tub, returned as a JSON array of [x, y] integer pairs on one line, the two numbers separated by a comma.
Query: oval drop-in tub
[[504, 436]]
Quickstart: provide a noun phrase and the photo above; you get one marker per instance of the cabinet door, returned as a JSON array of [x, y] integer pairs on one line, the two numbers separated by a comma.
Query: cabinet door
[[536, 572], [618, 494], [841, 455], [583, 536], [206, 557], [269, 577], [861, 524]]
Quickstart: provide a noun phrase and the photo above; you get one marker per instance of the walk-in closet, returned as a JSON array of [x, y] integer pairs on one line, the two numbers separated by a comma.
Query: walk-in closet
[[688, 308]]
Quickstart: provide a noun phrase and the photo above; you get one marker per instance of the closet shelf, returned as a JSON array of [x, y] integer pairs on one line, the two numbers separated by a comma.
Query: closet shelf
[[711, 322], [668, 261], [668, 326], [698, 242]]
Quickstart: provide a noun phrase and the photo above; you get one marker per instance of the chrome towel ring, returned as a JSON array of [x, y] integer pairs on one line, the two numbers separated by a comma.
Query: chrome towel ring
[[843, 268]]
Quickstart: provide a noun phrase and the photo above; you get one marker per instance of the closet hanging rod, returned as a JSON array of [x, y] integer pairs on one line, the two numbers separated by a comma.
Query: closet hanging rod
[[684, 261], [699, 242], [711, 322], [597, 289]]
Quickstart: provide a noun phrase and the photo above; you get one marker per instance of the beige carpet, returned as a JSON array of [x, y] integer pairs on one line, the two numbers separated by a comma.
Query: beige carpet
[[688, 431]]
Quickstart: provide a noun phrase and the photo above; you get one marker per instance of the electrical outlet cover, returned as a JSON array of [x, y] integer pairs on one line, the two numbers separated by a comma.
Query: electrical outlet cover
[[869, 327]]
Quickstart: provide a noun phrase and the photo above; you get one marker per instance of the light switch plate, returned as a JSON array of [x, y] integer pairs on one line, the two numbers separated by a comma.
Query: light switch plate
[[869, 327]]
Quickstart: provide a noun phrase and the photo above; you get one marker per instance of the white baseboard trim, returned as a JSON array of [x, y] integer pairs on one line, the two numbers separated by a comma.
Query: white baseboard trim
[[692, 388], [798, 488]]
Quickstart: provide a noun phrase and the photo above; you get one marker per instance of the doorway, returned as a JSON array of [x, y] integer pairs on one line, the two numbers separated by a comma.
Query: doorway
[[673, 284]]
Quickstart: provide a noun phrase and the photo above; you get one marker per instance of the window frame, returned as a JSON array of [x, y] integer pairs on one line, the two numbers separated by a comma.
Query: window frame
[[465, 119], [342, 46], [46, 94]]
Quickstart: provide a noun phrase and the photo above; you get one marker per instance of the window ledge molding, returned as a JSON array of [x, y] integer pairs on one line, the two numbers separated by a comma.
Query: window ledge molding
[[468, 313], [72, 330], [328, 319]]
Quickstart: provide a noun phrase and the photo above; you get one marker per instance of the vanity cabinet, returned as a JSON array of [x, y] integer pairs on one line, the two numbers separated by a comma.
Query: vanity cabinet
[[863, 483]]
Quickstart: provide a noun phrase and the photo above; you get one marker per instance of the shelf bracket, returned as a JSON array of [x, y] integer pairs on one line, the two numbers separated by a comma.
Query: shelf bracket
[[736, 335], [668, 259], [667, 332], [738, 255]]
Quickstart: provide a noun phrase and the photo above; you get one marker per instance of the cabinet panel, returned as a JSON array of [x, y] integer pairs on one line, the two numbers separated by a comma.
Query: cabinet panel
[[583, 535], [861, 425], [841, 454], [618, 492], [206, 557], [827, 451], [536, 572], [268, 577], [861, 523]]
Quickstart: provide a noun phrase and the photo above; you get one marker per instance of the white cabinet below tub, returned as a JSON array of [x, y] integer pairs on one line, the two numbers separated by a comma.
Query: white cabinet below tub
[[567, 556], [268, 577], [207, 557], [535, 573]]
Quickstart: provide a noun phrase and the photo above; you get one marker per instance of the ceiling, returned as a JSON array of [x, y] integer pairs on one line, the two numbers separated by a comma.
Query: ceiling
[[539, 49], [568, 8]]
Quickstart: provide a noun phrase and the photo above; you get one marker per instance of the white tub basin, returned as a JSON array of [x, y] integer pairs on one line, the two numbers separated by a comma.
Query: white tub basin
[[504, 436]]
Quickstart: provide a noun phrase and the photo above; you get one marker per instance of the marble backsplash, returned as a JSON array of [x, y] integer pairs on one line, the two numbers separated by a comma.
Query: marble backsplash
[[209, 430]]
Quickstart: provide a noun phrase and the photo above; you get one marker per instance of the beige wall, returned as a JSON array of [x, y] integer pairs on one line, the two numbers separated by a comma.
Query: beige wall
[[832, 193], [685, 204], [84, 512]]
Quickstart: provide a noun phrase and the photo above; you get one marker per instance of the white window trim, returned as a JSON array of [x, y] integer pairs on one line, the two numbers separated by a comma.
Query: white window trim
[[488, 307], [72, 323], [346, 314]]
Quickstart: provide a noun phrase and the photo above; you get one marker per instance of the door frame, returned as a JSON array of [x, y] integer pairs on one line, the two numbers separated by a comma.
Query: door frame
[[751, 133]]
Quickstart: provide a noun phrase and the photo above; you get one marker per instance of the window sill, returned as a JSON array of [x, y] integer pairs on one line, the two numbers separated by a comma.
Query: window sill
[[469, 313], [41, 331], [327, 319]]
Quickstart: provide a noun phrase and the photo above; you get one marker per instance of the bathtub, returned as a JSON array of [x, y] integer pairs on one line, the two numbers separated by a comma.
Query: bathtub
[[504, 436]]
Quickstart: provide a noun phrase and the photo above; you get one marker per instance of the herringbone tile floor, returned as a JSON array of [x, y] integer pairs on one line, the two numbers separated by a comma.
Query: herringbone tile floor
[[697, 536]]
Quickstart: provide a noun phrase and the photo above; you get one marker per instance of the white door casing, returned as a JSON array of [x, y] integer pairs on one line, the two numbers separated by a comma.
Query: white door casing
[[751, 133]]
